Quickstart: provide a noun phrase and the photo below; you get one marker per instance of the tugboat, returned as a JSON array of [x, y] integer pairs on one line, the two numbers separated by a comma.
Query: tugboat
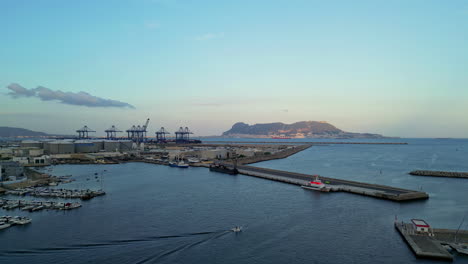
[[223, 169], [316, 185]]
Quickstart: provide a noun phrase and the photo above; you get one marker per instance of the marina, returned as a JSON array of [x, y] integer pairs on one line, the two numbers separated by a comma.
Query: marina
[[7, 221], [57, 193], [34, 205]]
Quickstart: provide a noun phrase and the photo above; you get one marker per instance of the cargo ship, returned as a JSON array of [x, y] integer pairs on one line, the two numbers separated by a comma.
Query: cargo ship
[[223, 169]]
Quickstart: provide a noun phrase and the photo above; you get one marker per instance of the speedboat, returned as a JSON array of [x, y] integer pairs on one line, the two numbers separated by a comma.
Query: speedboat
[[236, 229], [316, 185], [172, 164]]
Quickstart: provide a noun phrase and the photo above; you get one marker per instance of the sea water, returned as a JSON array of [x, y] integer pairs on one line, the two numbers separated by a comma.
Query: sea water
[[159, 214]]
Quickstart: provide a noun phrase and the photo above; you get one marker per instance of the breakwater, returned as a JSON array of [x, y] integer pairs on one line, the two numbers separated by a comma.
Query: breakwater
[[367, 189], [450, 174], [278, 155]]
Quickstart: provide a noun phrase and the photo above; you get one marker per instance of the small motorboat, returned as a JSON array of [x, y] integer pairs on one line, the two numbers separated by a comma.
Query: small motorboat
[[236, 229], [182, 164]]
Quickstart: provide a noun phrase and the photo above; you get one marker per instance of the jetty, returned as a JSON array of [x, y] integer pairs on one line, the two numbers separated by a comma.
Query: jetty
[[336, 185], [428, 242], [449, 174]]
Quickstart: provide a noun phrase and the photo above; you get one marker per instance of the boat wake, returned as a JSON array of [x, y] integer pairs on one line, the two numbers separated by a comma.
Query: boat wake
[[159, 256], [121, 242]]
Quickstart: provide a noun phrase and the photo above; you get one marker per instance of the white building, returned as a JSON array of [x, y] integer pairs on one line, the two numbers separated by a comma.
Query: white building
[[214, 154], [421, 226]]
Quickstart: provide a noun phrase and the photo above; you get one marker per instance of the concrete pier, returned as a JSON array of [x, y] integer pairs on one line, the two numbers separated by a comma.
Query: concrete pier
[[423, 245], [374, 190]]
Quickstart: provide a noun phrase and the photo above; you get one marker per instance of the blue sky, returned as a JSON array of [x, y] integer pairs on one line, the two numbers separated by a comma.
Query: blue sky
[[393, 67]]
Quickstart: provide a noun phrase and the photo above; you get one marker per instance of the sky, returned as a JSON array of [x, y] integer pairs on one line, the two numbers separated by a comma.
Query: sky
[[397, 68]]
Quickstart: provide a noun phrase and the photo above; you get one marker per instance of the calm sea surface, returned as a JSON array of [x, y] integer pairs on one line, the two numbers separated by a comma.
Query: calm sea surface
[[158, 214]]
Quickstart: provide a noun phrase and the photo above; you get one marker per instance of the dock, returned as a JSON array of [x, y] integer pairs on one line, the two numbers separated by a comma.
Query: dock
[[427, 245], [336, 185]]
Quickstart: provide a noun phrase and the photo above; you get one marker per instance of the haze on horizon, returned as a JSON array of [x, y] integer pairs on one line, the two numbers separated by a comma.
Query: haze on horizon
[[397, 68]]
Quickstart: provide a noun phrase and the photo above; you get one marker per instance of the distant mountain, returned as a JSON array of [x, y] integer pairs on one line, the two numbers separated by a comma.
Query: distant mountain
[[303, 129], [20, 132]]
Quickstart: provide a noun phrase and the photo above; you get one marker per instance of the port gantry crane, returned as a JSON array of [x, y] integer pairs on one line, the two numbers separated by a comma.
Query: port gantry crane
[[161, 135], [83, 132], [112, 132], [138, 133], [183, 135]]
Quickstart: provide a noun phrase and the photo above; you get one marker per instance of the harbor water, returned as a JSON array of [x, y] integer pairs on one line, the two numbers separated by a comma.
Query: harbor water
[[159, 214]]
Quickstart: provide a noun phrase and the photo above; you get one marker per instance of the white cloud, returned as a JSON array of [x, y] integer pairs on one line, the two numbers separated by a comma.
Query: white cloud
[[208, 36]]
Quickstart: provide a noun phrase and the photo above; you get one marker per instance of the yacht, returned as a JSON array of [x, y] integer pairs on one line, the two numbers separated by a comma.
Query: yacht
[[4, 225], [316, 185], [19, 220]]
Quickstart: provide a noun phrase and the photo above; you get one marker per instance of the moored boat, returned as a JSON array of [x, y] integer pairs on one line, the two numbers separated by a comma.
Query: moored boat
[[4, 225], [316, 185], [182, 164], [223, 169]]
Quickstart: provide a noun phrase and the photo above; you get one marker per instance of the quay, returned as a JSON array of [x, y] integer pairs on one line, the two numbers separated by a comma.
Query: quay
[[431, 242], [450, 174], [373, 190]]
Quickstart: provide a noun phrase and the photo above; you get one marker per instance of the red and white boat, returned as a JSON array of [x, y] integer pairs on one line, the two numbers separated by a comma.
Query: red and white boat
[[316, 185]]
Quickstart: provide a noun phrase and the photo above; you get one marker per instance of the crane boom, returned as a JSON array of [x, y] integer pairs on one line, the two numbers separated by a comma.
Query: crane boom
[[146, 124]]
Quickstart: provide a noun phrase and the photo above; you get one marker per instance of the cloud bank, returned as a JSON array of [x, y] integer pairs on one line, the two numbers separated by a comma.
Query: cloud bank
[[80, 98]]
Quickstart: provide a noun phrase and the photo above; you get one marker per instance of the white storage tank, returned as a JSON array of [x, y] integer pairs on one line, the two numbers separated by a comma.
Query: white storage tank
[[84, 146], [53, 147], [66, 147], [111, 146], [126, 145], [31, 144], [99, 144]]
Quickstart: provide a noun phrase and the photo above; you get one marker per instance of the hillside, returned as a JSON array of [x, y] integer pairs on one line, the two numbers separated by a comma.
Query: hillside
[[303, 129], [19, 132]]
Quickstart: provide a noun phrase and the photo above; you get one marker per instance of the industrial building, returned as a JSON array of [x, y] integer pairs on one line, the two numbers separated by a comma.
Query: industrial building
[[10, 170], [30, 148]]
